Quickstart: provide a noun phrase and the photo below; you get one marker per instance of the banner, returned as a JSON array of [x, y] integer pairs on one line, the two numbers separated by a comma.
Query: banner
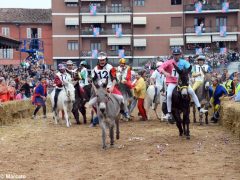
[[95, 54], [223, 31], [223, 50], [198, 7], [198, 30], [96, 32], [93, 9], [198, 51], [121, 53], [118, 32], [225, 7]]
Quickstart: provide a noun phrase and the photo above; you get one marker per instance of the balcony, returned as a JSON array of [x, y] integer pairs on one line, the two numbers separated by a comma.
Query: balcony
[[89, 31], [88, 53], [115, 53], [207, 29], [107, 9], [212, 7]]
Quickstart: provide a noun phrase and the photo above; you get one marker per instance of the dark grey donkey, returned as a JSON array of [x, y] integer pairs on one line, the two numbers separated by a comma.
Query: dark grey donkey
[[203, 95], [108, 111]]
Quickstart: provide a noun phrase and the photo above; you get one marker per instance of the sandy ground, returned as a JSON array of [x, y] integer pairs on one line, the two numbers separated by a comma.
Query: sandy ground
[[40, 149]]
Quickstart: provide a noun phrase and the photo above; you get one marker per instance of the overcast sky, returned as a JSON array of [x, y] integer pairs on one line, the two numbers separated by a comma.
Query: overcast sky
[[36, 4]]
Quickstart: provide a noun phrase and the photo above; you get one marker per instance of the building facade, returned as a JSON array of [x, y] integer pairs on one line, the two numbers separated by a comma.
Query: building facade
[[26, 26], [139, 30]]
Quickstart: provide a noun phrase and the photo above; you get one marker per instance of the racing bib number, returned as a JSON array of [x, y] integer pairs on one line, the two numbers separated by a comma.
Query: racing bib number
[[103, 74], [174, 73]]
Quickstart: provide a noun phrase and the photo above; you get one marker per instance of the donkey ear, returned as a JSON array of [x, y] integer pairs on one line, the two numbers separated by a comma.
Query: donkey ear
[[177, 69]]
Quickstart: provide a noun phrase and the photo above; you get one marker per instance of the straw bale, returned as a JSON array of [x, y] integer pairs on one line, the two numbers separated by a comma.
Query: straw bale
[[231, 116], [17, 110]]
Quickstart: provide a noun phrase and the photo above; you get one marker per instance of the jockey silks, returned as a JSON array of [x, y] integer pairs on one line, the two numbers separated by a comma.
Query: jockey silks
[[169, 68], [62, 79], [104, 75], [198, 69]]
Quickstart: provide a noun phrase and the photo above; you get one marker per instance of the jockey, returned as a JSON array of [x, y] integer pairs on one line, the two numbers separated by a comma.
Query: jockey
[[157, 79], [216, 92], [198, 72], [60, 80], [171, 74], [83, 74], [124, 73], [104, 74], [70, 69]]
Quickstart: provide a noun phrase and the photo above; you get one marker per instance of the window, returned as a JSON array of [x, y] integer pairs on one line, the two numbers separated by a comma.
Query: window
[[95, 46], [116, 47], [5, 31], [140, 48], [176, 21], [116, 8], [34, 33], [139, 2], [72, 45], [114, 26], [6, 53], [176, 2]]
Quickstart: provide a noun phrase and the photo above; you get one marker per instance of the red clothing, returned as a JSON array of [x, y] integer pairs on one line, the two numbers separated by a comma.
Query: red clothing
[[58, 81], [141, 108]]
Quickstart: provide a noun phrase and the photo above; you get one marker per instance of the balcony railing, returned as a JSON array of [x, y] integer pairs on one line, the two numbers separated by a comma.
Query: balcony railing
[[115, 53], [104, 31], [207, 29], [107, 9], [211, 6], [88, 53]]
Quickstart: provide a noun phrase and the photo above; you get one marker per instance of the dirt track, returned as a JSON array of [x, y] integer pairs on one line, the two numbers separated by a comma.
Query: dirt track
[[146, 150]]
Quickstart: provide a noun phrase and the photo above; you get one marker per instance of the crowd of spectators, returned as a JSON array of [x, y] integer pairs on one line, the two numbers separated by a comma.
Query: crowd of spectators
[[18, 82]]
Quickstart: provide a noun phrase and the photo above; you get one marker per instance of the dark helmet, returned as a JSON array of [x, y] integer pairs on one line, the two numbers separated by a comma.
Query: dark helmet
[[177, 51]]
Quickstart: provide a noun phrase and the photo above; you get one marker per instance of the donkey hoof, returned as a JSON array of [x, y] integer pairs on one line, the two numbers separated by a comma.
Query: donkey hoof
[[104, 147], [188, 137], [180, 134]]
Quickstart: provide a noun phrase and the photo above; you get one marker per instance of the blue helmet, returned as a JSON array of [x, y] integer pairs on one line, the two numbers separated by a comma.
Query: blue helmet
[[177, 51]]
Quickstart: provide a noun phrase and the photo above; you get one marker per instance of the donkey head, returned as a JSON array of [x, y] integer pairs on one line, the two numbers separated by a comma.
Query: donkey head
[[183, 81]]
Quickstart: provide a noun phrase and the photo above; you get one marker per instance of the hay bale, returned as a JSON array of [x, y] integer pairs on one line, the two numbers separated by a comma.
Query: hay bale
[[15, 110], [230, 116]]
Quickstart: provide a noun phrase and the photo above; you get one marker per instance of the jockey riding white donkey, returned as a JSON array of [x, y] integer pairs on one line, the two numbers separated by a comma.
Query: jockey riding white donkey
[[61, 79], [70, 69], [104, 74], [171, 74]]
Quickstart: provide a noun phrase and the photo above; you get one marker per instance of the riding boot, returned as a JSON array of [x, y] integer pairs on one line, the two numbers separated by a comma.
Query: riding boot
[[57, 91]]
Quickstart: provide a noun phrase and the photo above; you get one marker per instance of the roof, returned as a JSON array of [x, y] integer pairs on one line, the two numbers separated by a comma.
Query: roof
[[14, 15], [6, 41]]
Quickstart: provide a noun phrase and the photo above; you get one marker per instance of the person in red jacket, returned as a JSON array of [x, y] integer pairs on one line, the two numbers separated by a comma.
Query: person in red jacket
[[124, 73]]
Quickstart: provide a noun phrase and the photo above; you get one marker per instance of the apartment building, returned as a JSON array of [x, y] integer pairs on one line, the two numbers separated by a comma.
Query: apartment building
[[139, 30], [26, 26]]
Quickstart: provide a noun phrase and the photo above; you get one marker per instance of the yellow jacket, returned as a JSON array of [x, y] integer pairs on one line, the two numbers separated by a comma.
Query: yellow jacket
[[140, 88]]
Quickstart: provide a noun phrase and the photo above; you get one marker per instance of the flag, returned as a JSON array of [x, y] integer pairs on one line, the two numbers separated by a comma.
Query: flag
[[223, 50], [223, 31], [198, 30], [96, 32], [225, 6], [121, 53], [198, 7], [198, 51], [93, 9], [118, 32], [94, 54]]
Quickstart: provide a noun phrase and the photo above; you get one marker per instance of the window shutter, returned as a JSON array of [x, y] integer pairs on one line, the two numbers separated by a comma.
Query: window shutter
[[11, 53], [1, 53], [28, 33], [39, 32]]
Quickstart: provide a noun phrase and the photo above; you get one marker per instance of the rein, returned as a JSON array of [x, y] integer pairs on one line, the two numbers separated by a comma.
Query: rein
[[181, 87]]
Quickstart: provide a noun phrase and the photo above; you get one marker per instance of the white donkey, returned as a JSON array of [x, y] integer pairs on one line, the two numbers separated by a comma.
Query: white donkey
[[152, 99], [65, 100]]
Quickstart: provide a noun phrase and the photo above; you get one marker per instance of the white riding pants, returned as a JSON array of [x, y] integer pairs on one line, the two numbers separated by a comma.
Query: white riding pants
[[170, 89]]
